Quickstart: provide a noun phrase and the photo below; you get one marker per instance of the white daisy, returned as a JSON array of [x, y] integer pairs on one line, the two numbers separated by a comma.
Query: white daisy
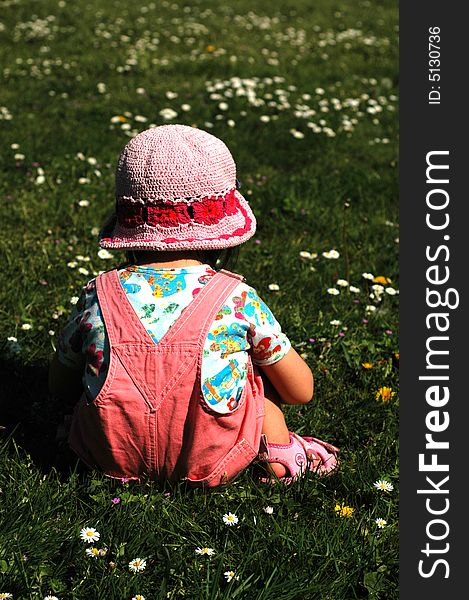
[[205, 551], [229, 575], [6, 595], [274, 287], [230, 519], [335, 322], [89, 534], [333, 291], [342, 282], [137, 564], [299, 135], [269, 509], [380, 522], [138, 597], [391, 291], [370, 308], [104, 254], [92, 552], [383, 485], [369, 276], [168, 113], [331, 254], [45, 597], [354, 289]]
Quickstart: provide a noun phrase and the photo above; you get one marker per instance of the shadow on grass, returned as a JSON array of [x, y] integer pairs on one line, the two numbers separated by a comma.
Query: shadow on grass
[[32, 418]]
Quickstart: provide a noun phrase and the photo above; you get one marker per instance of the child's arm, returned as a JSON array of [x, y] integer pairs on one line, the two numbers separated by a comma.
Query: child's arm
[[292, 378], [64, 382]]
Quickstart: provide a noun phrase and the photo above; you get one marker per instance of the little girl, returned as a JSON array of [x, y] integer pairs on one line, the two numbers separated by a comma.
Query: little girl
[[178, 366]]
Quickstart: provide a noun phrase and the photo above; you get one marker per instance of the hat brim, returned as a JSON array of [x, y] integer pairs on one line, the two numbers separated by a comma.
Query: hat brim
[[232, 230]]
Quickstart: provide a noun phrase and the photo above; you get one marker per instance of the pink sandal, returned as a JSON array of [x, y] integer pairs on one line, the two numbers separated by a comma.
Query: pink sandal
[[299, 455]]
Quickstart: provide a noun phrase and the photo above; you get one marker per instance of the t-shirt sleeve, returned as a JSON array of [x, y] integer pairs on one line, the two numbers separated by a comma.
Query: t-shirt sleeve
[[73, 338], [268, 342]]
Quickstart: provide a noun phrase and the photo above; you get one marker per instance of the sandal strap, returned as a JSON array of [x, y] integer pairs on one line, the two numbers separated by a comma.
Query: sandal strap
[[317, 450], [296, 455], [292, 456]]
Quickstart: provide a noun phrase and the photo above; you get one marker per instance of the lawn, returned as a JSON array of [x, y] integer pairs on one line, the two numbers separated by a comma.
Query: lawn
[[305, 95]]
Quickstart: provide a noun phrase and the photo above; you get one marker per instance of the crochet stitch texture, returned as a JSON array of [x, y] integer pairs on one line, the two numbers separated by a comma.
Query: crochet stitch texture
[[176, 189]]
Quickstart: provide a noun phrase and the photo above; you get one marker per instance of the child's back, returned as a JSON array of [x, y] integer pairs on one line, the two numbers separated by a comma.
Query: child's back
[[150, 417], [167, 347]]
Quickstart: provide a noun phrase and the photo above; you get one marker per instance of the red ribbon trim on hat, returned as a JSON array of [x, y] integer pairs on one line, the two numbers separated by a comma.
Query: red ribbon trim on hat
[[224, 236], [207, 211]]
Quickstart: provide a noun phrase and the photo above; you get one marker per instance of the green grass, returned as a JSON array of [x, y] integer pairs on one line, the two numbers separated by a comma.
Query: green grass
[[334, 188]]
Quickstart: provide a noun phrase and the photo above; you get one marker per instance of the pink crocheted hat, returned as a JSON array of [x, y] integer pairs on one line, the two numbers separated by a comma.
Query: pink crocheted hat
[[176, 190]]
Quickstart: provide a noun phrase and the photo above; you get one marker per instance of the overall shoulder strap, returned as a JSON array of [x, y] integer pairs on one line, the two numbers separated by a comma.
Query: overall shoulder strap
[[120, 319]]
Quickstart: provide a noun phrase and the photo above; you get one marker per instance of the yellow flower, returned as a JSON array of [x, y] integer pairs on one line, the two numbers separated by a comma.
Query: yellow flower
[[385, 394], [367, 365], [381, 279], [343, 511], [210, 48]]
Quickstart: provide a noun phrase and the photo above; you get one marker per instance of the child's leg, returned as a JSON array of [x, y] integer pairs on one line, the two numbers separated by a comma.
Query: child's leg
[[274, 426]]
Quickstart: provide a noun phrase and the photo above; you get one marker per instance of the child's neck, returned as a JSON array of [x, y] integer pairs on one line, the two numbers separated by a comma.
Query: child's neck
[[168, 260], [174, 264]]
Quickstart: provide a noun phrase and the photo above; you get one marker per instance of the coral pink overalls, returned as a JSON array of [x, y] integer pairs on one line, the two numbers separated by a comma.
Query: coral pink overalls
[[150, 419]]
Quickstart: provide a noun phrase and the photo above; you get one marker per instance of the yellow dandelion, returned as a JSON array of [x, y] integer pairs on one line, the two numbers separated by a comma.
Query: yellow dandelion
[[210, 48], [381, 279], [385, 394], [367, 365], [343, 511]]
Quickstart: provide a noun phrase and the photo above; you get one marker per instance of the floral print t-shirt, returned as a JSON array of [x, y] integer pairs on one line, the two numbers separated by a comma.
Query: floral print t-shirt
[[244, 324]]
